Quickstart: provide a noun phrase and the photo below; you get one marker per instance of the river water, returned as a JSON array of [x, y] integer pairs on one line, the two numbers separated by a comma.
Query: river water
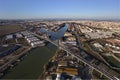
[[32, 65]]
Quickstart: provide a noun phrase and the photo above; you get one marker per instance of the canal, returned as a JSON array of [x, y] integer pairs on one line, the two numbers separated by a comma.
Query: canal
[[32, 65]]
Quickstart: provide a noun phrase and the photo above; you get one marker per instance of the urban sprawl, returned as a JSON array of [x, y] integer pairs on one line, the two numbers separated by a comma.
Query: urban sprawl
[[85, 49]]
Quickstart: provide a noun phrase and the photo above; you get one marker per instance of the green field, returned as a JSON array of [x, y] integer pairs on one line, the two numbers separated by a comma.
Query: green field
[[32, 66], [7, 29]]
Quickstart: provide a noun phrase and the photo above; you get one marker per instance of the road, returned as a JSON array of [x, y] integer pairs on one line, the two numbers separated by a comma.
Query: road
[[105, 73]]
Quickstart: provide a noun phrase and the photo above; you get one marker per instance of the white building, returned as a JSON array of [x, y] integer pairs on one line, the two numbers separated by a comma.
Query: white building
[[71, 42], [58, 77], [98, 45], [37, 43], [18, 35], [32, 40], [10, 36]]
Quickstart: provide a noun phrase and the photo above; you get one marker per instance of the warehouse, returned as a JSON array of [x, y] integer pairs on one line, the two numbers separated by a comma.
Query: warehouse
[[10, 36]]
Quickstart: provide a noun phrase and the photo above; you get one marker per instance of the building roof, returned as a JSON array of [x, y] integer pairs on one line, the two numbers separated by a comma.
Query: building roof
[[69, 71], [62, 63]]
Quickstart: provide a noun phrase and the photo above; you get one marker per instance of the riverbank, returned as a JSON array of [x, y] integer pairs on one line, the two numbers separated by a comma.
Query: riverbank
[[43, 74]]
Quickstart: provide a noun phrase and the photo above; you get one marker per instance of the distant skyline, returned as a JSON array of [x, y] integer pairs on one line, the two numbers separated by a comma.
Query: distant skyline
[[38, 9]]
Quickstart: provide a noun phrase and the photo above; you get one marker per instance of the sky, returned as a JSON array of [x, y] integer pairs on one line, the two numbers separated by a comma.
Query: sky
[[36, 9]]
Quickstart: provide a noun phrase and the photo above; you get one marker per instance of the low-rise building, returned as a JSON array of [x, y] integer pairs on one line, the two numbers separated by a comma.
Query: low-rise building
[[10, 36], [62, 63], [98, 45], [37, 43], [18, 35], [32, 40], [68, 71]]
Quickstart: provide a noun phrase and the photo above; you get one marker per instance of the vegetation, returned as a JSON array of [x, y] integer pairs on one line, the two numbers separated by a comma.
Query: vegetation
[[113, 62], [7, 29]]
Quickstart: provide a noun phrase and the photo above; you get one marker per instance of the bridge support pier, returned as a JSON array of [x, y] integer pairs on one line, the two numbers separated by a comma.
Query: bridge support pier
[[84, 64], [91, 70], [67, 54], [101, 75], [78, 60], [72, 57]]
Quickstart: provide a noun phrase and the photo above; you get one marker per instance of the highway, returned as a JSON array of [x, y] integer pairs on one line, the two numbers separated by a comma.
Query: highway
[[105, 73]]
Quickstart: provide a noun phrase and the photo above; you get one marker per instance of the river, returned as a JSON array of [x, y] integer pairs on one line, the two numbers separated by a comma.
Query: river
[[32, 65]]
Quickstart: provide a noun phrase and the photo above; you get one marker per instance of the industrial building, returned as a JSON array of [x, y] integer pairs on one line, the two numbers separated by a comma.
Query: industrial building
[[13, 36], [32, 40], [10, 36], [18, 35]]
